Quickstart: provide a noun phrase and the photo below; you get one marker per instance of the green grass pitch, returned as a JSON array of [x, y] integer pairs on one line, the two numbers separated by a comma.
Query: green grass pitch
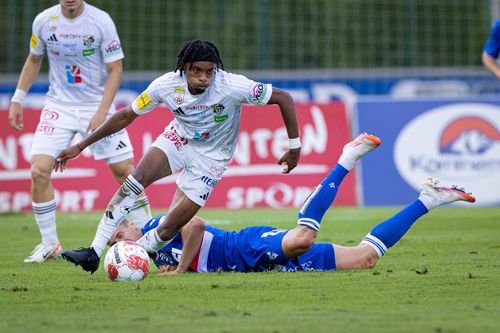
[[443, 276]]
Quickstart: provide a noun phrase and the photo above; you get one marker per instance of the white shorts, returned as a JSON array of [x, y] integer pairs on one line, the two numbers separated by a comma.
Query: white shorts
[[200, 174], [59, 125]]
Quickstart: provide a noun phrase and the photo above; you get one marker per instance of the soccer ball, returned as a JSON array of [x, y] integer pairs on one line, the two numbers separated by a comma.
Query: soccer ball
[[126, 261]]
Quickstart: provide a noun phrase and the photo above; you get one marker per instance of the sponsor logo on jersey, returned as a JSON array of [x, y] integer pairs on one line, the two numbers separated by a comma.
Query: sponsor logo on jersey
[[73, 74], [179, 112], [88, 52], [45, 127], [272, 255], [113, 48], [34, 41], [49, 115], [121, 145], [171, 134], [205, 196], [179, 94], [143, 101], [221, 118], [461, 145], [88, 40], [201, 136], [55, 53], [209, 181], [52, 38], [70, 36], [259, 91], [216, 170]]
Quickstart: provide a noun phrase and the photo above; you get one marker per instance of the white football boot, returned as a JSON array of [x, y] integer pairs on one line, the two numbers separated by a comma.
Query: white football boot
[[44, 252], [433, 194], [357, 148]]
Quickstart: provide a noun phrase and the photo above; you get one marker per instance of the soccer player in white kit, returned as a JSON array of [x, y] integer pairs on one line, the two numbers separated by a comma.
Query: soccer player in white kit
[[206, 102], [85, 68]]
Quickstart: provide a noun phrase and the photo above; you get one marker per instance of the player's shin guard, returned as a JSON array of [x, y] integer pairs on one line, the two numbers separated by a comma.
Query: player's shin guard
[[314, 207], [140, 213], [152, 242], [117, 209], [387, 233]]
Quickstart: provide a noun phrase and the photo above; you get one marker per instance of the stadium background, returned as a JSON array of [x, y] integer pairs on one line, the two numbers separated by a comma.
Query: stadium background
[[394, 67]]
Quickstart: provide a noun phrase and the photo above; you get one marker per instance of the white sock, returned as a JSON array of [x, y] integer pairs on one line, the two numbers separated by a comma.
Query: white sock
[[347, 161], [141, 212], [428, 200], [152, 242], [45, 217], [116, 211]]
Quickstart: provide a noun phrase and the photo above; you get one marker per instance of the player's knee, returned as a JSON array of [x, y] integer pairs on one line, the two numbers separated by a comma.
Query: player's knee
[[197, 223], [306, 238], [39, 174]]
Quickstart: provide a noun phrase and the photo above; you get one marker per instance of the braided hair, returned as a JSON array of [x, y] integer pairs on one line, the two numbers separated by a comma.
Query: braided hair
[[198, 50]]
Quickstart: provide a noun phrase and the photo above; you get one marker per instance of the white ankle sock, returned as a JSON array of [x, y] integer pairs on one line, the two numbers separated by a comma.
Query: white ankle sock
[[141, 212], [45, 217]]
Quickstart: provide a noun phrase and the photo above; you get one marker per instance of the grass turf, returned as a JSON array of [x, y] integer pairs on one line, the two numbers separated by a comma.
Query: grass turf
[[443, 276]]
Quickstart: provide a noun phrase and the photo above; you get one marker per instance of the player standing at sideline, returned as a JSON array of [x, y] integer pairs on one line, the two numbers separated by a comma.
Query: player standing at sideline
[[202, 248], [491, 50], [85, 60], [206, 102]]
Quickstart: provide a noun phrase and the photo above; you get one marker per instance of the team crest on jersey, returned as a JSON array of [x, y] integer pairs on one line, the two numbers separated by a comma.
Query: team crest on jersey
[[88, 40], [179, 95]]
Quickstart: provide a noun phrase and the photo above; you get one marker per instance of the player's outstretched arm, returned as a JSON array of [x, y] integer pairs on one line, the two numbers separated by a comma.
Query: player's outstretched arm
[[287, 107], [116, 122], [192, 235], [491, 64]]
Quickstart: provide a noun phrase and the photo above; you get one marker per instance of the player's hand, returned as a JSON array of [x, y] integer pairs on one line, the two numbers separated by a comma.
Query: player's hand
[[96, 121], [290, 160], [168, 270], [16, 116], [65, 155]]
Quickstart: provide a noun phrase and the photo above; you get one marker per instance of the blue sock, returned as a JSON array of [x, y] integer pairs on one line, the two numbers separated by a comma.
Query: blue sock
[[389, 232], [318, 202]]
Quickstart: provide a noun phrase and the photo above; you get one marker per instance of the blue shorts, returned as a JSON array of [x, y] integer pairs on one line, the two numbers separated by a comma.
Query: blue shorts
[[258, 248]]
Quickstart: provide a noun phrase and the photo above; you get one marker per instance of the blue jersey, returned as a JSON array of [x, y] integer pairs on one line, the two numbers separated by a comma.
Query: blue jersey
[[492, 46], [252, 249]]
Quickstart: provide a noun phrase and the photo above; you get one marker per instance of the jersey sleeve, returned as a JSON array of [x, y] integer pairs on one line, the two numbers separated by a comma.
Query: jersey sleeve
[[492, 46], [111, 47], [248, 91], [37, 45], [148, 99]]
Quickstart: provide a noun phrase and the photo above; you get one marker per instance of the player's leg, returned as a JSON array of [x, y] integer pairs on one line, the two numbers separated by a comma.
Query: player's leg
[[194, 186], [153, 166], [313, 209], [387, 233], [54, 133], [44, 208], [181, 211], [161, 160], [140, 212]]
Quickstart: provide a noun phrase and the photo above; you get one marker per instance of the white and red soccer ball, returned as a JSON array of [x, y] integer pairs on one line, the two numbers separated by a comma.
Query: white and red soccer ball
[[126, 261]]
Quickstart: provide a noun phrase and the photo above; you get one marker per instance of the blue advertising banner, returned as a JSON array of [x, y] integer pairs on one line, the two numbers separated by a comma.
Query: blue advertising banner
[[454, 141]]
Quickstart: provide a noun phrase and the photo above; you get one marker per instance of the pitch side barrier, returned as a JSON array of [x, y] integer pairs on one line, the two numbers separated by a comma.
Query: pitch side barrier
[[252, 180], [454, 140]]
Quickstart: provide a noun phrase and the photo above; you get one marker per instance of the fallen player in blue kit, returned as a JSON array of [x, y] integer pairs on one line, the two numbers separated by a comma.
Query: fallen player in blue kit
[[202, 248]]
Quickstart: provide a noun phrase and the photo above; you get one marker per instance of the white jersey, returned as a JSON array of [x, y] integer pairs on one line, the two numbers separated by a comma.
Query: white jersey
[[210, 121], [78, 50]]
